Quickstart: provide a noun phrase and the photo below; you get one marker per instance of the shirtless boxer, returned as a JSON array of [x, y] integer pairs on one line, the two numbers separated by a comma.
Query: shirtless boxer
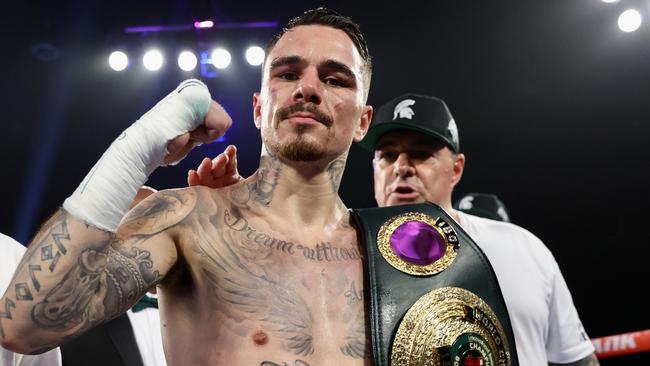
[[267, 271], [417, 159]]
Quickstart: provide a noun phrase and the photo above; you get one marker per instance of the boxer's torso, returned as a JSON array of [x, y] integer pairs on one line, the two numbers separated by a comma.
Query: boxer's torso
[[253, 289]]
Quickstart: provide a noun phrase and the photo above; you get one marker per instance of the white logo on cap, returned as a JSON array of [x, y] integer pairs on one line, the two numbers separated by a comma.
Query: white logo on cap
[[403, 110], [466, 203], [501, 211], [453, 129]]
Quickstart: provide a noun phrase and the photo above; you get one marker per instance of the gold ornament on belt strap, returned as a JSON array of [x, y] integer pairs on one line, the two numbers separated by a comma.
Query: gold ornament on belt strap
[[450, 326], [418, 244]]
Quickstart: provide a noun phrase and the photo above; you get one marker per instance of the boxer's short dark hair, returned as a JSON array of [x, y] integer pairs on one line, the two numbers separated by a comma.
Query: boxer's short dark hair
[[331, 18]]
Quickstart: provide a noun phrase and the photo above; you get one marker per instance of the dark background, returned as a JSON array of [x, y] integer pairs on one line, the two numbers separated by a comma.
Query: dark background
[[550, 97]]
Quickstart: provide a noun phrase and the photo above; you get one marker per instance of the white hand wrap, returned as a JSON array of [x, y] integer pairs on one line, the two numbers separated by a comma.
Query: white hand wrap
[[104, 196]]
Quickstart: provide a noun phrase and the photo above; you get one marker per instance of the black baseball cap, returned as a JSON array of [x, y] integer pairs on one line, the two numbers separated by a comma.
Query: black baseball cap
[[421, 113], [483, 204]]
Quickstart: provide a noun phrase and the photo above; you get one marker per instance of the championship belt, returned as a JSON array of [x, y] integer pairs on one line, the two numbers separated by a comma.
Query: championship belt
[[434, 298]]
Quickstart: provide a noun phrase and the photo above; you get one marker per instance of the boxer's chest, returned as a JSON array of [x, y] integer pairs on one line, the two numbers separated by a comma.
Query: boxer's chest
[[270, 285]]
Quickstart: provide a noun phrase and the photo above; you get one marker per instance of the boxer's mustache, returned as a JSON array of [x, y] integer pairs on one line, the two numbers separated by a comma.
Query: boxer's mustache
[[286, 112]]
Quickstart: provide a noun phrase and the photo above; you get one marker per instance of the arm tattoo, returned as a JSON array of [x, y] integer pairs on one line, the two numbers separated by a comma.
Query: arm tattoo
[[6, 313], [590, 360], [106, 275], [50, 244], [101, 285], [154, 215]]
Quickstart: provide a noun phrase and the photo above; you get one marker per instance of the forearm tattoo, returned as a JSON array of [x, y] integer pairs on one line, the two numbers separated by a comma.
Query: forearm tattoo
[[6, 313], [101, 285], [105, 277], [43, 255]]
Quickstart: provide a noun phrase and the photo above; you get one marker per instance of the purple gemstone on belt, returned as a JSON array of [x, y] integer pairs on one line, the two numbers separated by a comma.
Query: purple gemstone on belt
[[417, 243]]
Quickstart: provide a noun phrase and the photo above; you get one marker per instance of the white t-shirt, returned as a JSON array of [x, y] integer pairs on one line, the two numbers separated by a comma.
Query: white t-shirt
[[11, 252], [544, 319]]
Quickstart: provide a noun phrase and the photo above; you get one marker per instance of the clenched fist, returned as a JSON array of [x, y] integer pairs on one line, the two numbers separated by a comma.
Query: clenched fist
[[215, 125]]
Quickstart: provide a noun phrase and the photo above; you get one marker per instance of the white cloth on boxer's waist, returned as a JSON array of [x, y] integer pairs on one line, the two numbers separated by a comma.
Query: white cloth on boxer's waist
[[105, 194]]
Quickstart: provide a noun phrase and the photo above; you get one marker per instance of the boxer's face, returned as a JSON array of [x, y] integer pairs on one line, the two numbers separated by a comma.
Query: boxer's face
[[410, 167], [311, 105]]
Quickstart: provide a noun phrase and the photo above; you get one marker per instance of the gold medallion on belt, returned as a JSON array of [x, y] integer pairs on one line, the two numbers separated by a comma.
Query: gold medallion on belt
[[418, 244], [448, 326]]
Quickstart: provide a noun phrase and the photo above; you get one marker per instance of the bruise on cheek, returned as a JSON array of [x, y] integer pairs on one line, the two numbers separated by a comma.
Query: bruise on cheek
[[260, 338]]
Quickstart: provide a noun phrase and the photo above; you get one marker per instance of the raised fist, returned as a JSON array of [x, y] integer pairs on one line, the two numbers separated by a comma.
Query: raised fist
[[215, 125]]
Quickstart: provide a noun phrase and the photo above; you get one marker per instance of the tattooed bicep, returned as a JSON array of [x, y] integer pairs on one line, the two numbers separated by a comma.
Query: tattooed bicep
[[159, 211]]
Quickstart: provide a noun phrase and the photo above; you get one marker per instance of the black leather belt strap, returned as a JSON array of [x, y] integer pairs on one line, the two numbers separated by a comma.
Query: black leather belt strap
[[393, 292]]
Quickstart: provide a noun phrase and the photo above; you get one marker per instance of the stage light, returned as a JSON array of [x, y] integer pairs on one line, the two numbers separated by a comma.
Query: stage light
[[255, 55], [203, 24], [187, 61], [152, 60], [118, 60], [220, 58], [629, 20], [610, 1]]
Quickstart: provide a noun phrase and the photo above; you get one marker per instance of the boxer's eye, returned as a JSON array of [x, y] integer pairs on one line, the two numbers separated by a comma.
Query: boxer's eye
[[288, 76], [334, 82]]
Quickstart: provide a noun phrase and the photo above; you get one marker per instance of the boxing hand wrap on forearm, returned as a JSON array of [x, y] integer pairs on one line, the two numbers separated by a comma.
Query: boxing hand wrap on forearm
[[104, 196]]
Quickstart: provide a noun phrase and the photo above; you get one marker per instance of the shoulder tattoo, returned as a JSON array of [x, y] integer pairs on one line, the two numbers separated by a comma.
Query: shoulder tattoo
[[160, 211]]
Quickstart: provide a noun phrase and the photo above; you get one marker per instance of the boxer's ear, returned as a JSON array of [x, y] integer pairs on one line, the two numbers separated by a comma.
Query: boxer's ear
[[364, 123], [257, 110]]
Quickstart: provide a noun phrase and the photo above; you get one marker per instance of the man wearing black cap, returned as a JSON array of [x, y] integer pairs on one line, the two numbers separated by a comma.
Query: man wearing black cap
[[419, 129], [417, 159]]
